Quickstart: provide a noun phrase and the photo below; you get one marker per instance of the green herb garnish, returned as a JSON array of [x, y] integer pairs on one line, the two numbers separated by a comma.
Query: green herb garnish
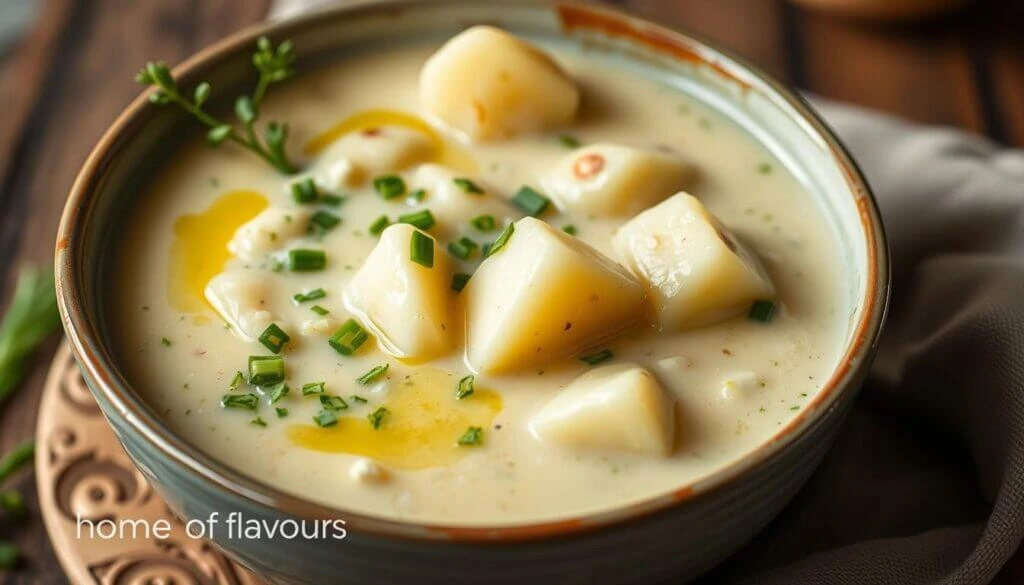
[[358, 399], [333, 402], [274, 338], [422, 219], [278, 391], [323, 222], [459, 281], [319, 310], [596, 358], [9, 556], [326, 418], [13, 503], [313, 388], [237, 381], [372, 375], [465, 387], [472, 437], [376, 417], [258, 422], [305, 191], [317, 293], [501, 241], [569, 141], [266, 370], [468, 186], [305, 260], [348, 338], [248, 401], [166, 342], [417, 195], [274, 64], [281, 412], [762, 311], [16, 459], [569, 229], [463, 248], [332, 200], [530, 201], [379, 225], [421, 249], [389, 186], [484, 223]]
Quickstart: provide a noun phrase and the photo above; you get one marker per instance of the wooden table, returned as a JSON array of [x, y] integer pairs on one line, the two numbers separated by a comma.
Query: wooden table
[[71, 75]]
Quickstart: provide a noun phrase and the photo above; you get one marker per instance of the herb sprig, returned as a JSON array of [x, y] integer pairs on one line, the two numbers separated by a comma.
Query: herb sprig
[[274, 64], [30, 319]]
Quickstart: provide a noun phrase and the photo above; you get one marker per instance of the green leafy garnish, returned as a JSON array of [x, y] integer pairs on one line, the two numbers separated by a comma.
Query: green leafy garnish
[[421, 249], [596, 358], [468, 186], [306, 260], [278, 391], [379, 225], [465, 388], [484, 223], [389, 186], [248, 401], [376, 417], [531, 201], [323, 222], [281, 412], [317, 293], [274, 64], [762, 311], [463, 248], [372, 375], [313, 388], [501, 240], [326, 418], [459, 281], [258, 422], [274, 338], [569, 141], [333, 402], [472, 437], [569, 229], [319, 310], [30, 318], [266, 370], [347, 339], [422, 219]]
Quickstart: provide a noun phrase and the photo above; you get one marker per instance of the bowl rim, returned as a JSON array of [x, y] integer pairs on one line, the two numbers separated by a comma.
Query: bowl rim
[[110, 387]]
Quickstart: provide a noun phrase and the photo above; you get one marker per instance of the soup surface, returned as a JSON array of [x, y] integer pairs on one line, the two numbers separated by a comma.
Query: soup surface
[[204, 270]]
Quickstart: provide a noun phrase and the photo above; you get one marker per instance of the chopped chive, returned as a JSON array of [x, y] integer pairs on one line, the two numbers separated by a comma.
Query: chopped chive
[[274, 338], [468, 186], [266, 370], [485, 250], [9, 556], [258, 421], [358, 399], [248, 401], [305, 260], [472, 437], [281, 412], [762, 311], [323, 222], [459, 281], [326, 418], [319, 310], [389, 186], [422, 219], [502, 239], [422, 249], [465, 387], [333, 402], [376, 417], [463, 248], [348, 338], [317, 293], [484, 223], [237, 381], [379, 225], [530, 201], [596, 358], [569, 141], [417, 195], [313, 388], [569, 229], [332, 200], [373, 374], [13, 503], [165, 341], [305, 191], [278, 391]]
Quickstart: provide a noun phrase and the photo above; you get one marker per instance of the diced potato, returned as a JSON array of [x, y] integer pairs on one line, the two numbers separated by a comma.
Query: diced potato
[[367, 153], [609, 180], [545, 296], [491, 85], [269, 231], [406, 305], [242, 298], [696, 273], [620, 407], [453, 205]]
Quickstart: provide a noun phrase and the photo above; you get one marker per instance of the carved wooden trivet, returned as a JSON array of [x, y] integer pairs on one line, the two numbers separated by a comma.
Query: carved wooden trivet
[[82, 471]]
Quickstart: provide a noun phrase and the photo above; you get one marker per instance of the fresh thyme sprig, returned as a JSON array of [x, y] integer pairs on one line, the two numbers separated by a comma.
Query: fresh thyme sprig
[[274, 64], [29, 320]]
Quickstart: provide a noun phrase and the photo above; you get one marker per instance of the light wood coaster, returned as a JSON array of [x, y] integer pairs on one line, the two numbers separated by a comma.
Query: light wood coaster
[[82, 471]]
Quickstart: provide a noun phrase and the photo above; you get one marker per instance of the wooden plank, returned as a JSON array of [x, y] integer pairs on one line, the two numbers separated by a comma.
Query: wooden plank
[[1005, 48], [89, 80]]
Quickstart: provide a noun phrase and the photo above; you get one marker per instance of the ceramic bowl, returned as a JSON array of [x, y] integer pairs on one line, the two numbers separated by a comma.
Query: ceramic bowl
[[677, 535]]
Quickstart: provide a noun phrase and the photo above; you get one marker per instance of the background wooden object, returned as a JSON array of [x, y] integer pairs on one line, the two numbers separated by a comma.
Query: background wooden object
[[63, 84]]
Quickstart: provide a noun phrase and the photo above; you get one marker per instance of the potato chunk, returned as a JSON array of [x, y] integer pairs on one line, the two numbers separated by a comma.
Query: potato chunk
[[408, 306], [490, 85], [545, 296], [242, 298], [268, 231], [366, 153], [696, 272], [615, 181], [620, 407]]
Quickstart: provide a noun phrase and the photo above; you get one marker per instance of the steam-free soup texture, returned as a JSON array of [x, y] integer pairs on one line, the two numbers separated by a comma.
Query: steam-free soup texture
[[615, 293]]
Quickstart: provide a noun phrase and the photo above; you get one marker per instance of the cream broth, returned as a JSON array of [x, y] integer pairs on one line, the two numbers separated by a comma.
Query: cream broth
[[734, 382]]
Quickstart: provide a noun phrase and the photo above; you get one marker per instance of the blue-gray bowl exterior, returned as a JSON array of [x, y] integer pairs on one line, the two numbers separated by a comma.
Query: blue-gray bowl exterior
[[675, 536]]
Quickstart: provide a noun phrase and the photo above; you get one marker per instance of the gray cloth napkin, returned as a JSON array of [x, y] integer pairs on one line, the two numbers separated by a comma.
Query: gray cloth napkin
[[925, 483]]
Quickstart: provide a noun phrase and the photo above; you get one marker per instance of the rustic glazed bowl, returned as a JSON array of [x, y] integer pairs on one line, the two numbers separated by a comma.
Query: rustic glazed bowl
[[677, 535]]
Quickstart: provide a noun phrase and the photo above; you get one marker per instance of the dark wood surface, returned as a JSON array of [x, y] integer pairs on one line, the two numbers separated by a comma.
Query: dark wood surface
[[68, 78]]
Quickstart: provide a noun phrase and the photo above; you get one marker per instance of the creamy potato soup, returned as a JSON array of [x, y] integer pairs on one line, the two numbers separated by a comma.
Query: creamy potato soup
[[506, 286]]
